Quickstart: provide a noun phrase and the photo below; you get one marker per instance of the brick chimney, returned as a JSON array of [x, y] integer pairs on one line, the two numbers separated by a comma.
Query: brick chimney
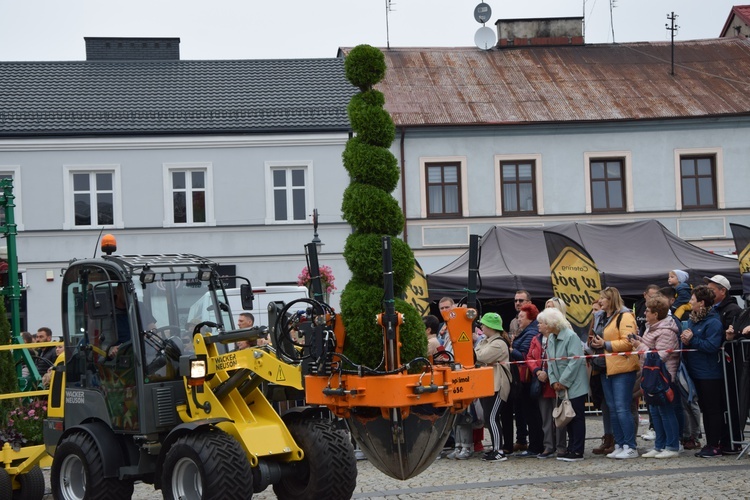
[[129, 49], [539, 32]]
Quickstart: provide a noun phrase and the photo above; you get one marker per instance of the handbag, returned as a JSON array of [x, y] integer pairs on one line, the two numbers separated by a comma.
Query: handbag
[[535, 390], [563, 412]]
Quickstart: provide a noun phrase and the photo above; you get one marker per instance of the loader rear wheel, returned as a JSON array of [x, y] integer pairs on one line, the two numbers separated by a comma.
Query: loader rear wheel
[[329, 469], [206, 465], [32, 485], [77, 472], [6, 487]]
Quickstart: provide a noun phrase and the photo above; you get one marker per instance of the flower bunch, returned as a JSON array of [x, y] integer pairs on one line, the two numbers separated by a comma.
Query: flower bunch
[[27, 421], [326, 278]]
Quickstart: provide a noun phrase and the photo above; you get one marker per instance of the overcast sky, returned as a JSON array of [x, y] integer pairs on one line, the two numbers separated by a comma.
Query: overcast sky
[[46, 30]]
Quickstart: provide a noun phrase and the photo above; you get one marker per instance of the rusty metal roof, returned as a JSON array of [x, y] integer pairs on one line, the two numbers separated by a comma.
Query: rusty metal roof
[[590, 83]]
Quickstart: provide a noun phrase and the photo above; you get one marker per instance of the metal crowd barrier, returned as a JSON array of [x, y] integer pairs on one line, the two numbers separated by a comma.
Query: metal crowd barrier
[[736, 365]]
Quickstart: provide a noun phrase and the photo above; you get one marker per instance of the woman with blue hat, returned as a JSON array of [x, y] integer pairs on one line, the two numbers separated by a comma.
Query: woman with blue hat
[[493, 351]]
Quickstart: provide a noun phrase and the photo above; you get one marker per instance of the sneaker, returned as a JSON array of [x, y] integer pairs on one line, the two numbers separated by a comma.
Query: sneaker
[[520, 447], [464, 454], [709, 452], [452, 455], [571, 457], [650, 435], [615, 452], [494, 456], [525, 454], [668, 454], [691, 444], [546, 454], [651, 454], [627, 452], [360, 455]]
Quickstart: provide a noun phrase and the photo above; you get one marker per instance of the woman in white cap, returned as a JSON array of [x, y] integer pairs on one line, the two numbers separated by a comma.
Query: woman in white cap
[[493, 351]]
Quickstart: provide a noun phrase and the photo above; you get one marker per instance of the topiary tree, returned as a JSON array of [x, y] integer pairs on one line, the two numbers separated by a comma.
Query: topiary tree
[[373, 213], [8, 380]]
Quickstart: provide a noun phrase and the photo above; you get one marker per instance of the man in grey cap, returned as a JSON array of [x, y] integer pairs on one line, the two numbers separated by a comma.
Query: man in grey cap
[[725, 304], [728, 309]]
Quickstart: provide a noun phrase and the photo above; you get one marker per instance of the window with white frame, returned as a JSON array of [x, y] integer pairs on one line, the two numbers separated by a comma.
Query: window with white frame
[[188, 194], [92, 197], [289, 194]]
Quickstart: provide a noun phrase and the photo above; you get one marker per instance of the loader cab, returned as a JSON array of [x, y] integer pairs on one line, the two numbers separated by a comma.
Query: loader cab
[[126, 322]]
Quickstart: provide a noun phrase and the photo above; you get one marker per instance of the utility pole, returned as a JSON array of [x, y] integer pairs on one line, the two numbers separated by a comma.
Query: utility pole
[[673, 17]]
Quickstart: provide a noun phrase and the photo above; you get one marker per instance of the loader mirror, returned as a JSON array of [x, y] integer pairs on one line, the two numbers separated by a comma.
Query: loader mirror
[[99, 303], [246, 296]]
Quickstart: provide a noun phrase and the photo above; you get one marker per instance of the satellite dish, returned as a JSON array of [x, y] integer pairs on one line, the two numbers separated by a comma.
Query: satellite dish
[[482, 13], [485, 38]]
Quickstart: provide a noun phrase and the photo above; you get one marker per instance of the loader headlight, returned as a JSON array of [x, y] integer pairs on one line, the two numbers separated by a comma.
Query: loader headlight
[[197, 368], [194, 368]]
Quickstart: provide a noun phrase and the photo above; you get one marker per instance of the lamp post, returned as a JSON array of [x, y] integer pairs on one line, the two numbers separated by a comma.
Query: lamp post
[[312, 251], [316, 240]]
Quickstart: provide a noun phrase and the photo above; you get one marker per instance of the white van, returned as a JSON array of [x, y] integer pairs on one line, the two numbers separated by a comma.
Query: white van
[[262, 297], [203, 309]]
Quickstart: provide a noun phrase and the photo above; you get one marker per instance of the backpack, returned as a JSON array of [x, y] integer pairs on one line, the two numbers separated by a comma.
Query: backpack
[[656, 381]]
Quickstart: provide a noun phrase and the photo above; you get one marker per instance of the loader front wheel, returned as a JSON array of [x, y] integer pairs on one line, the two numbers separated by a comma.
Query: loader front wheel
[[77, 472], [6, 487], [206, 465], [32, 485], [329, 469]]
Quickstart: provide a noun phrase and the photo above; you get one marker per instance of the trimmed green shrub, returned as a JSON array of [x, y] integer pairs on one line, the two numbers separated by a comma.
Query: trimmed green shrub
[[372, 123], [365, 260], [372, 210], [369, 207], [360, 305], [8, 379], [364, 66], [373, 165]]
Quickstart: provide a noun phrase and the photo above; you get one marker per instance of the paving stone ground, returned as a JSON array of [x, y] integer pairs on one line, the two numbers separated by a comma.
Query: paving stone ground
[[595, 477]]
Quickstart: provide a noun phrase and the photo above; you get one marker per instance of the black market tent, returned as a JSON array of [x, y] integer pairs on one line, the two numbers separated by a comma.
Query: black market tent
[[629, 256]]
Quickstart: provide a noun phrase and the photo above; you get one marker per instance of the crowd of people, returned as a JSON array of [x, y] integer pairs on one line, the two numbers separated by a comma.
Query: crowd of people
[[674, 334]]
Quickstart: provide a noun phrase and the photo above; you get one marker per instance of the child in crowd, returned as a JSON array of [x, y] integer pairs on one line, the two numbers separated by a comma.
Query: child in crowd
[[678, 280]]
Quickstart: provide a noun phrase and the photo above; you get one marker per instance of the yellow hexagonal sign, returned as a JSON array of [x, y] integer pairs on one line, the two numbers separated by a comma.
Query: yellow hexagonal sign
[[575, 280]]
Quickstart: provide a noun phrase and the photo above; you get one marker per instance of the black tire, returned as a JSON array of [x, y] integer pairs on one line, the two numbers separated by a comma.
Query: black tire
[[77, 472], [32, 485], [6, 486], [329, 469], [206, 465]]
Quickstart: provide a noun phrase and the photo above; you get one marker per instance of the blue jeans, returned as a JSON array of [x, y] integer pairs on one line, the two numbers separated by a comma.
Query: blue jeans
[[618, 391], [666, 427]]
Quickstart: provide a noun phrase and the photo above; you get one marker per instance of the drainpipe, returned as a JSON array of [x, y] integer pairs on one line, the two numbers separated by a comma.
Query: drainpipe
[[403, 185]]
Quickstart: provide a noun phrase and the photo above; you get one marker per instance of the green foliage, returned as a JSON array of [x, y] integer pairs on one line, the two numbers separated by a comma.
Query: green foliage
[[8, 379], [360, 304], [372, 210], [364, 66], [369, 207], [372, 123], [364, 257], [373, 165]]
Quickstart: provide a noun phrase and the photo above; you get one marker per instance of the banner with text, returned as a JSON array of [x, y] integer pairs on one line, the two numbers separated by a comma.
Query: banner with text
[[417, 294], [741, 235], [575, 278]]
